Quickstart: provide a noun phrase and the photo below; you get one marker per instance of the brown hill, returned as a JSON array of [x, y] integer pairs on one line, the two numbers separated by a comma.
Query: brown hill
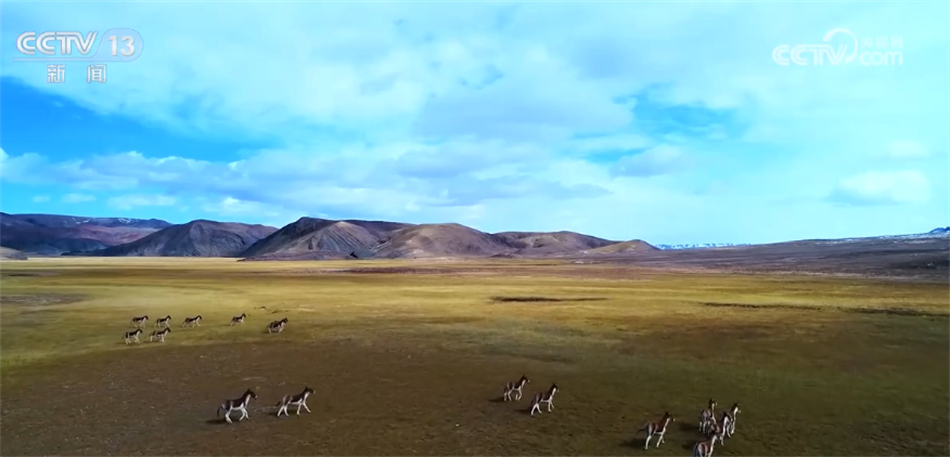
[[48, 234], [11, 254], [441, 240], [312, 238], [626, 247], [320, 239], [551, 243], [200, 238]]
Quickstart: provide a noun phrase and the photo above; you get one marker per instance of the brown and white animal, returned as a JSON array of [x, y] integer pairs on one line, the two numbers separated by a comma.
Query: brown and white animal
[[721, 428], [717, 430], [277, 326], [132, 336], [238, 319], [730, 428], [139, 321], [704, 448], [192, 321], [657, 429], [543, 397], [514, 387], [238, 404], [707, 416], [163, 321], [299, 400], [159, 335]]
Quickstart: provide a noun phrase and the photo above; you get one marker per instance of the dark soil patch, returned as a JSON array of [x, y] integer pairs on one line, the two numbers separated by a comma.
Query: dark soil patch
[[758, 306], [41, 299], [843, 309], [26, 274], [894, 312], [503, 299]]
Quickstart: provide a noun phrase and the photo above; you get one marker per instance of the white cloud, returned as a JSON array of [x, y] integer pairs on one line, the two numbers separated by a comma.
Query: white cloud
[[452, 111], [876, 187], [908, 150], [230, 206], [524, 71], [658, 160], [78, 198], [621, 142], [126, 202], [357, 179], [40, 198]]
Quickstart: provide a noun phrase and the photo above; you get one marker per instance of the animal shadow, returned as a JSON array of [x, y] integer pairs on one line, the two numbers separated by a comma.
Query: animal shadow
[[633, 442], [216, 421], [500, 399], [687, 427]]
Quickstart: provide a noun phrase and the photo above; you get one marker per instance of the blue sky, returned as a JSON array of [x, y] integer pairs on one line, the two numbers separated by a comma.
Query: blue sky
[[669, 122]]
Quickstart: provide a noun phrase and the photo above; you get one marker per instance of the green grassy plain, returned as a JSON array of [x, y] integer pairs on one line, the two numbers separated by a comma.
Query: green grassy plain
[[413, 362]]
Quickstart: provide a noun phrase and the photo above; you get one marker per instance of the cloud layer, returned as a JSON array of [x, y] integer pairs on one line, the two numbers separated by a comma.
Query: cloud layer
[[622, 119]]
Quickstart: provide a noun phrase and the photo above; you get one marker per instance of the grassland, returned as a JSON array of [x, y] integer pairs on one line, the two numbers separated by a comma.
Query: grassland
[[409, 358]]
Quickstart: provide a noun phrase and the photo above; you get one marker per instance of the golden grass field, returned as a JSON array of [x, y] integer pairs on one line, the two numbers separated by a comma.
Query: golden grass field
[[412, 362]]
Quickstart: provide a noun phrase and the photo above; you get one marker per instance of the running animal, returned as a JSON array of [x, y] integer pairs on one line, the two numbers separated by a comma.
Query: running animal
[[707, 416], [239, 404], [277, 326], [163, 321], [543, 397], [717, 430], [132, 336], [657, 429], [192, 321], [721, 429], [299, 400], [704, 448], [139, 321], [238, 319], [514, 387], [731, 428], [159, 335]]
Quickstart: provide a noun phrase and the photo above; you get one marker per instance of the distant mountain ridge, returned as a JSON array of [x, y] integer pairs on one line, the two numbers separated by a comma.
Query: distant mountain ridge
[[938, 232], [48, 234], [55, 221], [541, 243], [313, 239], [699, 245], [11, 254], [199, 238]]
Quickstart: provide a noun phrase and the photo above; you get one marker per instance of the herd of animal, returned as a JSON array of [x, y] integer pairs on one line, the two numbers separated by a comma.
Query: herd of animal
[[714, 430], [240, 404], [229, 406], [165, 323]]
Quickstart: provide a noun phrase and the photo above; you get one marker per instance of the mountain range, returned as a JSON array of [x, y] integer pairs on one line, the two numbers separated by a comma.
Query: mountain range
[[306, 239], [47, 234]]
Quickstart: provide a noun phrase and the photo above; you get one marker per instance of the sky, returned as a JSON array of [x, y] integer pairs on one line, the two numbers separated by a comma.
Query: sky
[[669, 122]]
